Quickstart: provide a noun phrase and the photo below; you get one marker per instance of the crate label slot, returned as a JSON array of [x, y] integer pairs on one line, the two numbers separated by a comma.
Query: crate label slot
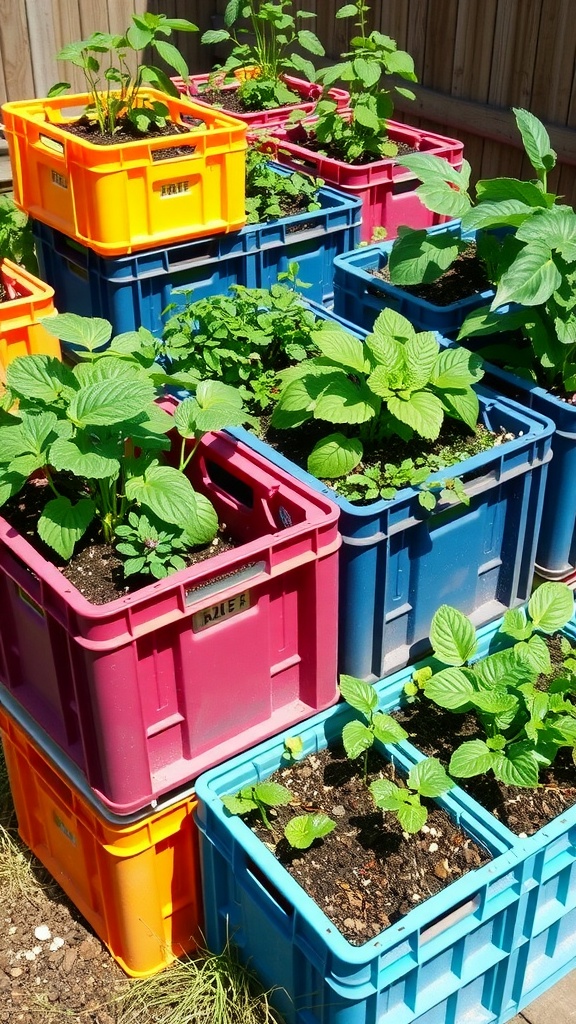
[[226, 609], [174, 188]]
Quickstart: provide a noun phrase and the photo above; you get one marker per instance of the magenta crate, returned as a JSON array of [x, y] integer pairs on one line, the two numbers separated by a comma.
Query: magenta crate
[[147, 691], [309, 92], [386, 188]]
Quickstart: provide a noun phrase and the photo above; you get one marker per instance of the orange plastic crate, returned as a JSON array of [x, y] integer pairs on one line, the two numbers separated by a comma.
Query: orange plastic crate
[[29, 299], [118, 199], [135, 880]]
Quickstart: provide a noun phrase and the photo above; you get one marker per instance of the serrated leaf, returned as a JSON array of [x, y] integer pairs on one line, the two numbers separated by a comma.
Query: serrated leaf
[[78, 458], [109, 401], [387, 729], [496, 190], [358, 694], [346, 401], [334, 456], [495, 702], [40, 377], [504, 667], [273, 794], [551, 606], [87, 332], [302, 830], [239, 804], [356, 738], [310, 42], [438, 197], [536, 655], [62, 524], [165, 491], [456, 368], [342, 348], [452, 636], [386, 794], [422, 411], [366, 117], [421, 353], [531, 280], [412, 817], [450, 688], [536, 140], [516, 768], [429, 778], [515, 624], [471, 758], [418, 257]]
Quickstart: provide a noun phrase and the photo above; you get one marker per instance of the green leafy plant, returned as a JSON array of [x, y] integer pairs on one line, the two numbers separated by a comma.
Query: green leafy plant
[[95, 435], [243, 338], [359, 736], [264, 37], [258, 798], [302, 830], [115, 90], [16, 238], [524, 709], [149, 548], [398, 382], [293, 748], [428, 778], [372, 58], [270, 195], [385, 480]]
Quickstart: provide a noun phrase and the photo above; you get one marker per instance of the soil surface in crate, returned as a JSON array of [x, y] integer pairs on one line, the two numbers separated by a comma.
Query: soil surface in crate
[[299, 137], [127, 132], [466, 277], [95, 570], [231, 102], [367, 873]]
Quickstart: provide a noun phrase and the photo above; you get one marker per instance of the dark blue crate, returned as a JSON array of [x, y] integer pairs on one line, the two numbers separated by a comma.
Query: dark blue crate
[[133, 291], [359, 296], [447, 960]]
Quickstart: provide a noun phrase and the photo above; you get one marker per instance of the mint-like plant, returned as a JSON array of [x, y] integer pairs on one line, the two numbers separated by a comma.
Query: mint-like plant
[[115, 90], [270, 195], [372, 58], [524, 710], [384, 481], [150, 549], [258, 798], [96, 436], [264, 38], [359, 735], [398, 382], [428, 778]]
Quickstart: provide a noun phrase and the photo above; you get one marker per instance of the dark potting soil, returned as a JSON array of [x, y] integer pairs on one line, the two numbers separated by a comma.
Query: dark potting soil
[[229, 100], [127, 132], [466, 276], [367, 873], [95, 570], [300, 137]]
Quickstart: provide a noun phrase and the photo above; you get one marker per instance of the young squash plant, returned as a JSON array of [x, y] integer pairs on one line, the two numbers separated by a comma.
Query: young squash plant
[[524, 709], [95, 436]]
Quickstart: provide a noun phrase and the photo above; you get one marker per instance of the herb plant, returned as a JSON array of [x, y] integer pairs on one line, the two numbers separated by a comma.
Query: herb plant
[[303, 829], [372, 57], [270, 195], [115, 90], [149, 548], [258, 798], [384, 481], [16, 238], [428, 778], [398, 382], [359, 736], [264, 36], [95, 435], [523, 708]]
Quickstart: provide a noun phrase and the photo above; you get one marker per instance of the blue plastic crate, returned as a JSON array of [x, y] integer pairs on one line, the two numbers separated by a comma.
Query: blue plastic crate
[[546, 937], [447, 960], [480, 557], [360, 296], [133, 291]]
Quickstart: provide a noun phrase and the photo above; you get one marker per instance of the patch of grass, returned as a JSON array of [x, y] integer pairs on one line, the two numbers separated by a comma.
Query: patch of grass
[[208, 989], [21, 874]]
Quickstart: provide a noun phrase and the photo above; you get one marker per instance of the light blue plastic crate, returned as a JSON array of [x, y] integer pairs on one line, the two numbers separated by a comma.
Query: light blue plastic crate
[[133, 291], [446, 961], [359, 296], [480, 557], [546, 936]]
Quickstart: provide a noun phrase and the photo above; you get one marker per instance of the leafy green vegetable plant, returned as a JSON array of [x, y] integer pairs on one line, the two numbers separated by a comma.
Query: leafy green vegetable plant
[[372, 57], [258, 798], [426, 779], [16, 238], [95, 435], [264, 37], [149, 548], [270, 195], [302, 830], [524, 709], [398, 382], [384, 481], [359, 736], [527, 241], [115, 90]]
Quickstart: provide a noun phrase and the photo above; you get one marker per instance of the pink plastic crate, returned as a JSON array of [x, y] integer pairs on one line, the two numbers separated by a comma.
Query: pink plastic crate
[[149, 690], [386, 188], [309, 91]]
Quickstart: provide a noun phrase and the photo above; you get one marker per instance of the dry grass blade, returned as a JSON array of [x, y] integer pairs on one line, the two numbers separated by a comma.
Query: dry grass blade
[[20, 873]]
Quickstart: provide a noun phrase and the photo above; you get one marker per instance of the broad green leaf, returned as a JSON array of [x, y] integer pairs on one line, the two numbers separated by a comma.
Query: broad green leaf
[[295, 405], [531, 280], [412, 817], [342, 348], [202, 523], [502, 667], [78, 458], [422, 411], [452, 636], [428, 168], [310, 42], [358, 694], [387, 729], [171, 54], [348, 11], [421, 354], [456, 368], [345, 401], [450, 688], [214, 406], [109, 401], [89, 332], [508, 212], [417, 257], [334, 456], [10, 484], [496, 190], [213, 36], [535, 655], [62, 524], [515, 624], [516, 767], [471, 758], [366, 117], [555, 228], [495, 702], [35, 431], [165, 491], [463, 405], [386, 794], [356, 738], [430, 778], [40, 377], [440, 198], [551, 606], [302, 830], [367, 72], [232, 11], [389, 325], [273, 794], [536, 140]]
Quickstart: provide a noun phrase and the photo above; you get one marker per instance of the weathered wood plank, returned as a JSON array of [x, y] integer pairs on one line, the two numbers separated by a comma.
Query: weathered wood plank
[[515, 44], [15, 49], [554, 64], [473, 47]]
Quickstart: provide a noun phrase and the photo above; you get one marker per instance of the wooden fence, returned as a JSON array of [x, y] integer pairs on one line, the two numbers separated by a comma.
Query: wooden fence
[[475, 60]]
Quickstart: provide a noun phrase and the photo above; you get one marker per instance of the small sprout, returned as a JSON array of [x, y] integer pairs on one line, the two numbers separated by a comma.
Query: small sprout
[[293, 747], [302, 830], [358, 737], [426, 779], [258, 798]]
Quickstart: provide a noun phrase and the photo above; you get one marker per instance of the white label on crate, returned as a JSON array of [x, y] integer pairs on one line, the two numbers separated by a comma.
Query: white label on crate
[[214, 613], [174, 188], [59, 179], [63, 828]]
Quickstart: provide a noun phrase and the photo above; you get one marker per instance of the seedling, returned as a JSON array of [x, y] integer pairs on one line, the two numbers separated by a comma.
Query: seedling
[[304, 829], [270, 195], [293, 748], [359, 737], [426, 779], [258, 798], [385, 480]]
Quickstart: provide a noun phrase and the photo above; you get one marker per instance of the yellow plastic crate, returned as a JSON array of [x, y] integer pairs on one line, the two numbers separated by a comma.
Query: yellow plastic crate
[[28, 300], [118, 199], [135, 880]]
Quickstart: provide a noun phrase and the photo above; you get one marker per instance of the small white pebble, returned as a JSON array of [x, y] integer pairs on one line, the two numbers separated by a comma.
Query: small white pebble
[[12, 930], [56, 943], [29, 954], [415, 897], [425, 828], [433, 848], [42, 932], [433, 832], [522, 835], [36, 949]]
